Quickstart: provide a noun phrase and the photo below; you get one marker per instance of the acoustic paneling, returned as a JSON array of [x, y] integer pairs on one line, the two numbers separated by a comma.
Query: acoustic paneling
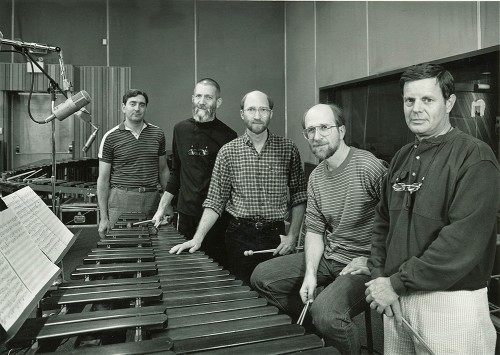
[[490, 23], [76, 26], [15, 77], [341, 41], [300, 71], [106, 86], [407, 33], [156, 40], [241, 45]]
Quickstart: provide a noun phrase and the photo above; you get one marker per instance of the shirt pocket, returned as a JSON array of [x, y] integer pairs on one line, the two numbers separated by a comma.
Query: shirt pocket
[[398, 193]]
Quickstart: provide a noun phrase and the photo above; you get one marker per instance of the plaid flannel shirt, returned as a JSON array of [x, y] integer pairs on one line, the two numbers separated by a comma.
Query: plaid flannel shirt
[[249, 184]]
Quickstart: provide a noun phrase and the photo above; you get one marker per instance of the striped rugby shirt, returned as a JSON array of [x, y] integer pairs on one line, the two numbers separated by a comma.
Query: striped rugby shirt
[[342, 203], [248, 184], [134, 161]]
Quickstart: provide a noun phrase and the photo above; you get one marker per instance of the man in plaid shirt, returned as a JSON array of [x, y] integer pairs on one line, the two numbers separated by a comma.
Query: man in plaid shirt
[[257, 178]]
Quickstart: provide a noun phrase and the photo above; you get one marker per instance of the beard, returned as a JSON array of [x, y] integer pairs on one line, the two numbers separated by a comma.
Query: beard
[[204, 113], [256, 128], [323, 152]]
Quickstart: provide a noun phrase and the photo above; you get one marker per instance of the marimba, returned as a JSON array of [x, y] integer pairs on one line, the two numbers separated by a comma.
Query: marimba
[[170, 303]]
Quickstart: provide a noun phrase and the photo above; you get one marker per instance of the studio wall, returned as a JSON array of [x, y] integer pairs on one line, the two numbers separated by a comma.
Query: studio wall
[[289, 49], [353, 40], [238, 43]]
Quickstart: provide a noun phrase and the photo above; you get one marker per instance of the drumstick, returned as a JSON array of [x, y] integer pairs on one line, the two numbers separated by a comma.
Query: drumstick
[[251, 252], [420, 339], [303, 313], [142, 222]]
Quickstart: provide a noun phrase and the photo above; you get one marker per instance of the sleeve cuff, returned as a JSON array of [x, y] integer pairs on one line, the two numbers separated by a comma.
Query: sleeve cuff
[[397, 284]]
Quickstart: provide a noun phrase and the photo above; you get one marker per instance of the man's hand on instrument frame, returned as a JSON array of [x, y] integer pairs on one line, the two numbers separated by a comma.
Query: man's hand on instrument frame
[[192, 245]]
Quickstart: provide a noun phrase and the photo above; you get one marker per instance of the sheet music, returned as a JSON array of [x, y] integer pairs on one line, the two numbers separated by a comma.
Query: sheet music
[[46, 240], [24, 269], [15, 296], [35, 203]]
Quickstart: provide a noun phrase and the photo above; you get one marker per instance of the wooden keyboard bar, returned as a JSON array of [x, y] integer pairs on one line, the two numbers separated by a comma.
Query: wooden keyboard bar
[[108, 282], [37, 329], [121, 250], [154, 346], [114, 269], [118, 257], [104, 289], [155, 294], [214, 308], [151, 322], [128, 233], [124, 242], [278, 346], [229, 315], [238, 337]]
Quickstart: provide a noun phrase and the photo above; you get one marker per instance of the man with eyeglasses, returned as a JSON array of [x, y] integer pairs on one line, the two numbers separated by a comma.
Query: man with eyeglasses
[[433, 244], [196, 142], [343, 191], [257, 178]]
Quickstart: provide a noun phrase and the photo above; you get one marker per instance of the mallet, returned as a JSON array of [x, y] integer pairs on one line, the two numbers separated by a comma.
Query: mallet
[[251, 252]]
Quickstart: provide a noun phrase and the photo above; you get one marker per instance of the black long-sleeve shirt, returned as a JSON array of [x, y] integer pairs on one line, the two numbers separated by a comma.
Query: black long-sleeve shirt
[[195, 146]]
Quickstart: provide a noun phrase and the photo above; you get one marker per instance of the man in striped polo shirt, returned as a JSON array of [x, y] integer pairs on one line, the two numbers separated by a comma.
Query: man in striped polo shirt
[[343, 191], [132, 161]]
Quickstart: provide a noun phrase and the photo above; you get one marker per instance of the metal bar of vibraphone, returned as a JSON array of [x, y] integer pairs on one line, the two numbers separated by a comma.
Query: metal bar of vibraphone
[[214, 309], [207, 308]]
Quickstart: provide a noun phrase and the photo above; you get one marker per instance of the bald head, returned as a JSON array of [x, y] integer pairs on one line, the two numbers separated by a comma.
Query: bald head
[[326, 111], [256, 95]]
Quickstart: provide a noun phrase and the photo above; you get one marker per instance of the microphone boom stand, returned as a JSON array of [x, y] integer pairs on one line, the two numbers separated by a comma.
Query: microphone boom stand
[[54, 87]]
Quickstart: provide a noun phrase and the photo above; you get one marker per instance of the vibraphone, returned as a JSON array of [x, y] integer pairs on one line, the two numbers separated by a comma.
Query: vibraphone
[[169, 303]]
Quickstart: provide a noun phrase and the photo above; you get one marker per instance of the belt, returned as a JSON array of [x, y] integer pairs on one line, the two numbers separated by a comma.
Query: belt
[[259, 223], [137, 189]]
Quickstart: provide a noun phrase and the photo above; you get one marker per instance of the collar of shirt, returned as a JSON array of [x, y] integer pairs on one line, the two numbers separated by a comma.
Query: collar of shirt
[[248, 141], [439, 139], [136, 135]]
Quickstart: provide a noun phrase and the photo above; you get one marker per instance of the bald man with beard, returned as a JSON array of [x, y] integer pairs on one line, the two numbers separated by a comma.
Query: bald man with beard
[[196, 142]]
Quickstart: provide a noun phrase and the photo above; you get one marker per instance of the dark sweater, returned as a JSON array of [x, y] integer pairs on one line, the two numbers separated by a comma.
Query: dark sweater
[[443, 236]]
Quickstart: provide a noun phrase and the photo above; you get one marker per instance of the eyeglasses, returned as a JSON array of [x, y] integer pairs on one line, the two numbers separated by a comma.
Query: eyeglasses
[[323, 130], [263, 111], [411, 188]]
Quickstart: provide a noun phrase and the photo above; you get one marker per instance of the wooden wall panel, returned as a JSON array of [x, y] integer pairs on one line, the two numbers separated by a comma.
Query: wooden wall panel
[[156, 40], [404, 33], [341, 41], [15, 77], [490, 23], [300, 71], [241, 45], [106, 86]]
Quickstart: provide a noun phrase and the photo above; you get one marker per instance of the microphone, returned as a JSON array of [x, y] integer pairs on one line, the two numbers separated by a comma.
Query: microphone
[[34, 46], [90, 141], [70, 106]]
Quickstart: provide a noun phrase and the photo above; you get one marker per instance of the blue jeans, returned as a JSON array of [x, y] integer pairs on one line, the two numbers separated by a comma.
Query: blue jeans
[[279, 280], [241, 237]]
